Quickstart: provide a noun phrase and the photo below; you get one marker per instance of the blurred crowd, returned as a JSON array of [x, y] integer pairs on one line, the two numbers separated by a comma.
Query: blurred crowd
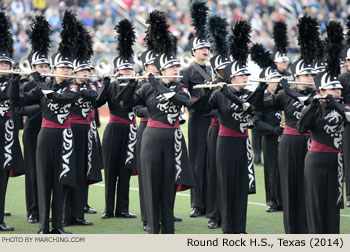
[[100, 16]]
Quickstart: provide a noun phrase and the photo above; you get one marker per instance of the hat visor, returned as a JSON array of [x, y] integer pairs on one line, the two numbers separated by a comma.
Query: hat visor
[[65, 64], [124, 66], [306, 71], [201, 45], [171, 63], [273, 75], [6, 59], [41, 61], [82, 67], [243, 71], [334, 85], [281, 59], [222, 66]]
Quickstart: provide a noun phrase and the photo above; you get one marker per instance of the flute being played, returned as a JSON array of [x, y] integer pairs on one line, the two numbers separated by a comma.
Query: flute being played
[[217, 85], [48, 75], [277, 81]]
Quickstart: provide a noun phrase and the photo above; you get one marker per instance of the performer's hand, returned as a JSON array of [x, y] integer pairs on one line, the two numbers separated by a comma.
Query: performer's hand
[[285, 84], [221, 85], [106, 81], [331, 101], [278, 131], [36, 76]]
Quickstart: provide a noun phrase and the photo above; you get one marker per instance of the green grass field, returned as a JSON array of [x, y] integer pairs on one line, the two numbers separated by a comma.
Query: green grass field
[[258, 221]]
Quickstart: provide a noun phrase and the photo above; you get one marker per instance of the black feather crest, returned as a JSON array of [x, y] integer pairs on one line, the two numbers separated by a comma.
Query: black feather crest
[[280, 36], [347, 36], [320, 49], [334, 42], [199, 14], [158, 36], [261, 56], [218, 35], [239, 41], [126, 38], [67, 46], [84, 43], [6, 41], [40, 35], [307, 35]]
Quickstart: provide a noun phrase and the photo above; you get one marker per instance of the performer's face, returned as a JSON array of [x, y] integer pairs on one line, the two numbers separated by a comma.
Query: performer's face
[[271, 87], [239, 79], [125, 72], [308, 78], [171, 71], [151, 68], [201, 53], [282, 66], [62, 71], [4, 66], [82, 73], [42, 68], [347, 62], [335, 92]]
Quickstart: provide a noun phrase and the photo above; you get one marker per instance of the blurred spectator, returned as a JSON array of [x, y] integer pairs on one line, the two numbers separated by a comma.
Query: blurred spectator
[[100, 16]]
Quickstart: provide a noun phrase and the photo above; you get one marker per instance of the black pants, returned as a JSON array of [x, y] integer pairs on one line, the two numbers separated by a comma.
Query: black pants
[[74, 197], [4, 175], [198, 126], [291, 157], [48, 159], [271, 172], [30, 137], [346, 151], [114, 147], [213, 210], [158, 172], [140, 131], [232, 172], [321, 189], [257, 146]]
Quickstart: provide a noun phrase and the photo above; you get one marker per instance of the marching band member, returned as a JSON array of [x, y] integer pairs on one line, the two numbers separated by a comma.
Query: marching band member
[[198, 124], [218, 35], [268, 121], [325, 118], [55, 152], [39, 61], [87, 159], [11, 160], [119, 138], [164, 160], [293, 145]]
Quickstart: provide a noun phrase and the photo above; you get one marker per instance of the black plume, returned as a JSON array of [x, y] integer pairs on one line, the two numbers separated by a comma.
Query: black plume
[[218, 35], [334, 42], [158, 36], [84, 43], [199, 13], [6, 41], [67, 46], [40, 35], [347, 36], [174, 40], [320, 49], [240, 40], [126, 38], [280, 36], [307, 35], [261, 56]]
